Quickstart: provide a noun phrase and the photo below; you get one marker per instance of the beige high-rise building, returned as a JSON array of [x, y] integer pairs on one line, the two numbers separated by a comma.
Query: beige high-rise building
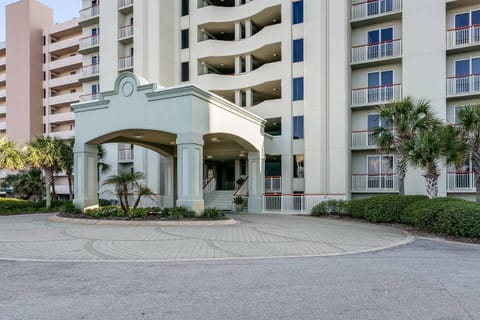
[[314, 70]]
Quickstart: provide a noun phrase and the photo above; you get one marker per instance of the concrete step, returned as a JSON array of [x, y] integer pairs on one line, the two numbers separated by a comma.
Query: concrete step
[[220, 199]]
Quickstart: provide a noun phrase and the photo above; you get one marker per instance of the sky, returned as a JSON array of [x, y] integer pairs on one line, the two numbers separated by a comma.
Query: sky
[[62, 10]]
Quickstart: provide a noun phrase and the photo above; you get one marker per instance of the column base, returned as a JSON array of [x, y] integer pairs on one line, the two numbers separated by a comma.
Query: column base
[[255, 204], [84, 203], [195, 205]]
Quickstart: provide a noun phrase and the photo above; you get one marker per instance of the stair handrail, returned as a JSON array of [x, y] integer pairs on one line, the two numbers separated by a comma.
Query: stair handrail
[[242, 190], [209, 187]]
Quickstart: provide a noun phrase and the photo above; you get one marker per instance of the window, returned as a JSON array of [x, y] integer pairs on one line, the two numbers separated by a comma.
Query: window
[[380, 43], [185, 41], [94, 60], [273, 126], [462, 23], [298, 127], [185, 7], [94, 32], [94, 88], [380, 86], [297, 89], [374, 122], [298, 166], [44, 110], [94, 3], [185, 71], [464, 70], [380, 171], [297, 50], [298, 12], [44, 128], [379, 6]]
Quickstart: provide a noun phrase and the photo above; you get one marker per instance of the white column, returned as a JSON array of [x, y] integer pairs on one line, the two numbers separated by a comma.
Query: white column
[[189, 171], [238, 65], [248, 28], [248, 97], [238, 97], [238, 31], [85, 168], [169, 184], [248, 63], [256, 178]]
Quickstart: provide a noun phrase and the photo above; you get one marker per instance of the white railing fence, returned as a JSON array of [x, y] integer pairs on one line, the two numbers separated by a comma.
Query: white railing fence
[[88, 42], [125, 155], [156, 200], [375, 182], [375, 95], [363, 139], [125, 62], [300, 203], [458, 181], [461, 37], [273, 184], [463, 84], [125, 31], [89, 12], [371, 8], [209, 187], [124, 3], [368, 52]]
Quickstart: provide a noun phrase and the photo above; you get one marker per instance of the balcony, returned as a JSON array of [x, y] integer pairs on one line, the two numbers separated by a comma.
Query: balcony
[[460, 86], [3, 125], [89, 72], [66, 45], [63, 135], [3, 110], [125, 6], [125, 33], [3, 92], [363, 140], [89, 16], [371, 96], [125, 63], [89, 97], [125, 155], [65, 64], [464, 37], [3, 77], [60, 117], [89, 44], [387, 182], [63, 99], [375, 52], [64, 82], [273, 184], [375, 10], [461, 182]]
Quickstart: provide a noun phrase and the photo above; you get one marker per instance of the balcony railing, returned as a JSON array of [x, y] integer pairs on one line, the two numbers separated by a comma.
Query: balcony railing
[[363, 139], [376, 95], [125, 155], [377, 51], [373, 8], [89, 42], [89, 97], [461, 37], [273, 184], [125, 63], [387, 182], [461, 181], [124, 3], [296, 202], [125, 31], [462, 85], [88, 13], [90, 71]]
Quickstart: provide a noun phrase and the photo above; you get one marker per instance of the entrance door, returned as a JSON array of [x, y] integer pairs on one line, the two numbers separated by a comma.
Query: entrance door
[[224, 173]]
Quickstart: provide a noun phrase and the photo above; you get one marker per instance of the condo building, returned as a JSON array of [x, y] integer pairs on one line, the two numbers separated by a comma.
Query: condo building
[[314, 71]]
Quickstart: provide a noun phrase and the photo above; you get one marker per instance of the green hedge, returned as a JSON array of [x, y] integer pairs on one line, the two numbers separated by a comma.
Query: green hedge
[[18, 206], [388, 208]]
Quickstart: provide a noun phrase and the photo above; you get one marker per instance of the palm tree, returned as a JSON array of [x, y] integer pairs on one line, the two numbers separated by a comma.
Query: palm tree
[[66, 162], [469, 124], [11, 158], [406, 117], [427, 147], [43, 153], [125, 183], [26, 185]]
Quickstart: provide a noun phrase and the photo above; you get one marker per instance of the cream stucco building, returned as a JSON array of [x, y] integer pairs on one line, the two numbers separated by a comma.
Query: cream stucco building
[[315, 71]]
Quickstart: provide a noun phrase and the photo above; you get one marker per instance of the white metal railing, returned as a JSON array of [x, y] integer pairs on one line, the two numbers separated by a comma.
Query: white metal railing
[[91, 12], [461, 181], [209, 187], [125, 62], [89, 42], [375, 182], [376, 95], [296, 202], [151, 201], [460, 85], [89, 71], [124, 3], [461, 37], [363, 139], [273, 184], [88, 97], [242, 190], [125, 155], [125, 31], [372, 8], [376, 51]]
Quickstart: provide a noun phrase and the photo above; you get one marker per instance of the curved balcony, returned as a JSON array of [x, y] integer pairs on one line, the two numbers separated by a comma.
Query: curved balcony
[[265, 73], [3, 109], [89, 72], [3, 60], [3, 77], [460, 86], [465, 37], [63, 99], [66, 45], [375, 52], [211, 14], [89, 16], [3, 125], [89, 44], [66, 64], [60, 117], [371, 96], [211, 48], [63, 82]]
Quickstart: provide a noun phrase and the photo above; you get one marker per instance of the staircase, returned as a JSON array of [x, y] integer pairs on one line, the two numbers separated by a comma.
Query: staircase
[[220, 199]]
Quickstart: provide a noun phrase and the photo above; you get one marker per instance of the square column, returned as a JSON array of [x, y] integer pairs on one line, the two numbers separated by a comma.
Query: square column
[[86, 172], [189, 175], [256, 180]]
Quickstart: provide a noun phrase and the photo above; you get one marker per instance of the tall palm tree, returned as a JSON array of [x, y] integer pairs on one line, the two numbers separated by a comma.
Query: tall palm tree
[[427, 147], [125, 183], [43, 153], [406, 117], [66, 162], [469, 124], [11, 157]]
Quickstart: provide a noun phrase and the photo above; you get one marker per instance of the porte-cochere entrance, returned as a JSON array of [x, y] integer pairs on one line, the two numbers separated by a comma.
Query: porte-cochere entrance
[[196, 132]]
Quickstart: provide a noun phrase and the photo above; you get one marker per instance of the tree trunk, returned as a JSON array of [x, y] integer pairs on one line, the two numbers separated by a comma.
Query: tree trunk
[[137, 201], [54, 192], [401, 172], [48, 183], [70, 189], [431, 182], [477, 185], [125, 197]]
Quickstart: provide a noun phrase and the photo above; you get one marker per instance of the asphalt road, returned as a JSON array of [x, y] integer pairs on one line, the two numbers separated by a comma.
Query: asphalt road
[[423, 280]]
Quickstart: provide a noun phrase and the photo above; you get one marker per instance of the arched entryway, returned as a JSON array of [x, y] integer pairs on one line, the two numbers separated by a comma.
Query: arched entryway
[[186, 123]]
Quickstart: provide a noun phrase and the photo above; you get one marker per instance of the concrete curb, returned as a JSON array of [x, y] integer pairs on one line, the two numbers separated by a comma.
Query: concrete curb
[[206, 223]]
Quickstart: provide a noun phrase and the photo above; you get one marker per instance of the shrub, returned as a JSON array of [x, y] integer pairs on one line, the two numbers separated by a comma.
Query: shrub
[[137, 213], [155, 210], [110, 211], [356, 208], [388, 208], [339, 207], [10, 206], [105, 202], [181, 212], [213, 213], [69, 207], [165, 212]]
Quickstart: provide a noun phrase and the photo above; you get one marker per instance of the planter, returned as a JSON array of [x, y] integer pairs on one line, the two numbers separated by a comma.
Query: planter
[[238, 207]]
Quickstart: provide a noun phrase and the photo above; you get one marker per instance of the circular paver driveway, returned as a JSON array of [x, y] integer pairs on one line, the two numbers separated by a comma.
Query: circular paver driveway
[[34, 237]]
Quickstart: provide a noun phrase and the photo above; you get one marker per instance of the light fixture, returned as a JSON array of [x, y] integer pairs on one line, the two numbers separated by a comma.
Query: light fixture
[[172, 143], [209, 157], [215, 139], [241, 154], [275, 89], [274, 20], [138, 136], [222, 64], [275, 54]]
